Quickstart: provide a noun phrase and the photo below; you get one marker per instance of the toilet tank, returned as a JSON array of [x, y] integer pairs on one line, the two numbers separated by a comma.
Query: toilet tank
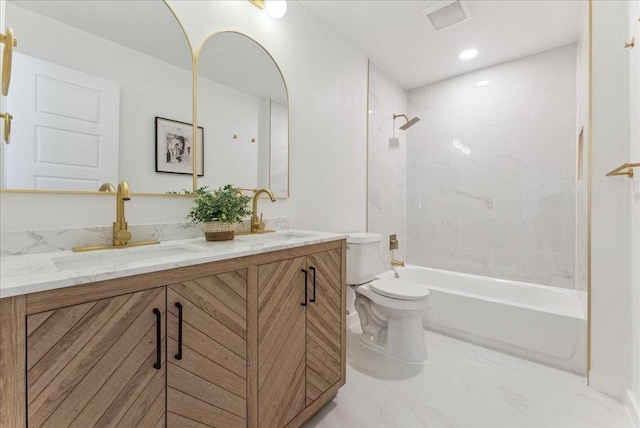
[[363, 257]]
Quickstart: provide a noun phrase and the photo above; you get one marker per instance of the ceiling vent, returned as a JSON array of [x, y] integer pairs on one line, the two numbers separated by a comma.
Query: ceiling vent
[[445, 14]]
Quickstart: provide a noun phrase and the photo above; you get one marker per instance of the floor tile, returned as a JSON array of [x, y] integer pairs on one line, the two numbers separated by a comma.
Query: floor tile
[[462, 385]]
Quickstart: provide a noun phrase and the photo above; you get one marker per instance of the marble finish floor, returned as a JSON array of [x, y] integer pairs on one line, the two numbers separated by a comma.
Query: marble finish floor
[[462, 385]]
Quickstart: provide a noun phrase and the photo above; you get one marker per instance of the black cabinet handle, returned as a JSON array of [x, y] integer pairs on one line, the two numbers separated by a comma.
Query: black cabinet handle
[[305, 288], [158, 362], [179, 354], [313, 299]]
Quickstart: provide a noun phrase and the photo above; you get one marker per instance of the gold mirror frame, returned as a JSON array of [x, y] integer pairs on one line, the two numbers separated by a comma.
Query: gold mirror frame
[[195, 104], [7, 55], [85, 192]]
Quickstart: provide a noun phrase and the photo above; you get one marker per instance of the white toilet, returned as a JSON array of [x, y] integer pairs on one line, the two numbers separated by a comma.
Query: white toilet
[[390, 310]]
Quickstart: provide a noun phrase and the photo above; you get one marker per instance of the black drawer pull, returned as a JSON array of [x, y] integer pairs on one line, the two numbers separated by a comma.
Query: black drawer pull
[[158, 362], [179, 354], [305, 288]]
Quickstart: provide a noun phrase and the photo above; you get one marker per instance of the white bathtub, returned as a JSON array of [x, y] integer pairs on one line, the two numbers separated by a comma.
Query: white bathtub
[[537, 322]]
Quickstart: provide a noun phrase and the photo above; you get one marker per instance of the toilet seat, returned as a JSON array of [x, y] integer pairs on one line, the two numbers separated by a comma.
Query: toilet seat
[[400, 289]]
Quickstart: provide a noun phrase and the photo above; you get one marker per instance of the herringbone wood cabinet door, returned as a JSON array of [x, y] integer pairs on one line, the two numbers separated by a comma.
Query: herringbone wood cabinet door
[[207, 383], [324, 325], [281, 342], [92, 364]]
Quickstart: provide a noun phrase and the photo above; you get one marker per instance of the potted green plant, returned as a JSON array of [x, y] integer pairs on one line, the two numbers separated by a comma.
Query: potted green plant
[[219, 210]]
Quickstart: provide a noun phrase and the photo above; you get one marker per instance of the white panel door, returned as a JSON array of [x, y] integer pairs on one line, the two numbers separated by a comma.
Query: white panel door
[[65, 130]]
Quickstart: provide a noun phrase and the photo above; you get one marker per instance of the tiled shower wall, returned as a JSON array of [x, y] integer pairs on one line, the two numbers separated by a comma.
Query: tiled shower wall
[[387, 164], [491, 171], [582, 159]]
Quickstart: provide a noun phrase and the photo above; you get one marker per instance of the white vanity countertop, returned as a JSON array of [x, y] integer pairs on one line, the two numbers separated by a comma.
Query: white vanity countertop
[[31, 273]]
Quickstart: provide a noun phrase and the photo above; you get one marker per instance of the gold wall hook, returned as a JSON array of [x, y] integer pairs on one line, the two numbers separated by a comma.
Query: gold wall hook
[[10, 42], [7, 126], [631, 44]]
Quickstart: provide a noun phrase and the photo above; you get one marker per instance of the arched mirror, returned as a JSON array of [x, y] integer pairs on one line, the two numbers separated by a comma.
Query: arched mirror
[[89, 80], [243, 108]]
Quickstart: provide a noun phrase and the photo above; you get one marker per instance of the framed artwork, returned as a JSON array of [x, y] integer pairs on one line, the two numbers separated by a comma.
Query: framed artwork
[[174, 147]]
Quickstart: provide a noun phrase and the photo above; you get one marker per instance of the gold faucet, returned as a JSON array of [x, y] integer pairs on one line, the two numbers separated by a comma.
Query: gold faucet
[[107, 187], [257, 225], [121, 234], [397, 263]]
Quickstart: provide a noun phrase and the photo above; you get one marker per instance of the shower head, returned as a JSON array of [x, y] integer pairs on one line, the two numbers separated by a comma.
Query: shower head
[[409, 123]]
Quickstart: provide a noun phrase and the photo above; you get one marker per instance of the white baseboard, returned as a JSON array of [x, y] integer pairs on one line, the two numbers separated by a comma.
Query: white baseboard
[[606, 384], [633, 407]]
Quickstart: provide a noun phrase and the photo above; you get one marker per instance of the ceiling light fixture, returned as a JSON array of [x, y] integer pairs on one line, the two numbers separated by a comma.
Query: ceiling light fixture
[[468, 54], [483, 83], [275, 8]]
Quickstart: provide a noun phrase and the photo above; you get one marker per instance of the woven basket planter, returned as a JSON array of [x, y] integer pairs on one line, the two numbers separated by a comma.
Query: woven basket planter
[[219, 231]]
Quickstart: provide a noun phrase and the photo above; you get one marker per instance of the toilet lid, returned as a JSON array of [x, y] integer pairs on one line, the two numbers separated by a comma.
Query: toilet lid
[[400, 289]]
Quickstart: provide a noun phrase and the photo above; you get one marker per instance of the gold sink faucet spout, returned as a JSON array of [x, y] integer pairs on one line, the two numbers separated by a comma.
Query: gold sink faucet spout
[[121, 234], [257, 225]]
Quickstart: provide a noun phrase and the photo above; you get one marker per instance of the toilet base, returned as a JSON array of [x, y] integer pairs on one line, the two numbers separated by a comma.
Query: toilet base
[[407, 342], [393, 332]]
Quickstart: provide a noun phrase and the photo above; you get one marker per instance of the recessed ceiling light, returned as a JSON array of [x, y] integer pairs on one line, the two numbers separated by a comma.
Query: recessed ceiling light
[[468, 54], [483, 83], [276, 8]]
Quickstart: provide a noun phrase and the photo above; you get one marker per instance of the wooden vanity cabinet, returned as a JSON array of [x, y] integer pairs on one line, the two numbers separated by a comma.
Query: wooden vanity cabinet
[[233, 343], [98, 363], [301, 329]]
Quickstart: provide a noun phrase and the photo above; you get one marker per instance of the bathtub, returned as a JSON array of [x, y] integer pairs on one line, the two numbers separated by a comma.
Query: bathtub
[[536, 322]]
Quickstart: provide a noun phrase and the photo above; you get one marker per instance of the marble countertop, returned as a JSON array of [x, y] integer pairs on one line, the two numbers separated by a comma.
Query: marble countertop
[[30, 273]]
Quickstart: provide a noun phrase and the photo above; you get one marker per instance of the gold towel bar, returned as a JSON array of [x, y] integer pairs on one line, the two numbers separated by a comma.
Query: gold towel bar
[[629, 169]]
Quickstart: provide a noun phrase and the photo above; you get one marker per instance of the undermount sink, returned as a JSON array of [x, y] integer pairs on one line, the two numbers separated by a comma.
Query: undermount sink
[[120, 256], [277, 236]]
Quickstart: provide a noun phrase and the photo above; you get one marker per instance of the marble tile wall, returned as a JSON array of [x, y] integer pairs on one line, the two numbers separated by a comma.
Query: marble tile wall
[[387, 164], [491, 171], [582, 161]]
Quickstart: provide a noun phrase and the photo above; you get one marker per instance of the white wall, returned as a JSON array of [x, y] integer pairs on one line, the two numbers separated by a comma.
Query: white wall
[[387, 164], [506, 207], [611, 288], [326, 80]]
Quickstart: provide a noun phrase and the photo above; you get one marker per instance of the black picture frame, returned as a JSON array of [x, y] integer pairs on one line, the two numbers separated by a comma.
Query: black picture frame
[[174, 147]]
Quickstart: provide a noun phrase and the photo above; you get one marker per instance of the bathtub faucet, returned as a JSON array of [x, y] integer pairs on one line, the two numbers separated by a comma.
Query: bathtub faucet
[[397, 263], [394, 265]]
